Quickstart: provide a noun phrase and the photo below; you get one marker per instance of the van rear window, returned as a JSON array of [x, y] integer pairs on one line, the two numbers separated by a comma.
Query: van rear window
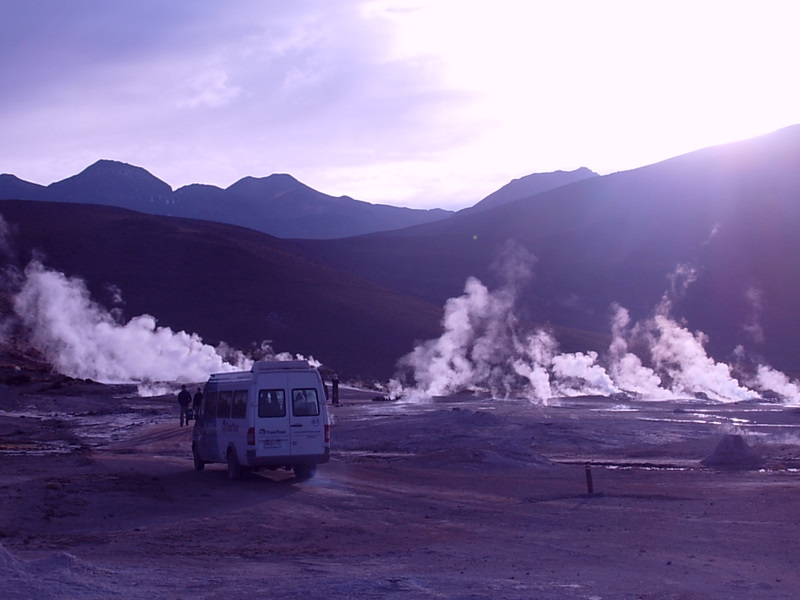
[[305, 402], [239, 408], [224, 404], [271, 403]]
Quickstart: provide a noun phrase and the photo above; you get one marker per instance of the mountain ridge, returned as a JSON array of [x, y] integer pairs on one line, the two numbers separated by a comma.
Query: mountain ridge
[[530, 185], [709, 238], [277, 204], [729, 213], [268, 204]]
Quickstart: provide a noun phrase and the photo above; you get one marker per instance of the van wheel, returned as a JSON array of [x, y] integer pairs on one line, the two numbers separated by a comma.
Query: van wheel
[[235, 470], [305, 471], [199, 463]]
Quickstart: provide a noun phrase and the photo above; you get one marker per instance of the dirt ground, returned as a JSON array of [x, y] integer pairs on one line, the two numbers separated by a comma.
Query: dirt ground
[[462, 497]]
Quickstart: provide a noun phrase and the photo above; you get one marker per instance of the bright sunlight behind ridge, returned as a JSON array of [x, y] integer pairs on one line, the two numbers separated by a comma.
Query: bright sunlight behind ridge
[[423, 104]]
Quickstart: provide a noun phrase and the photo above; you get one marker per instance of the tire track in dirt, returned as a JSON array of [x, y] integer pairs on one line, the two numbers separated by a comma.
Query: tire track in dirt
[[164, 439]]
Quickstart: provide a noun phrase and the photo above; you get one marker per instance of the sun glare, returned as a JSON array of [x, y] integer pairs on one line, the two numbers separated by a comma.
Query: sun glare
[[621, 84]]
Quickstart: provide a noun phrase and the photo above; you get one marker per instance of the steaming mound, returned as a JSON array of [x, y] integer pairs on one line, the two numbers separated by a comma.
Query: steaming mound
[[733, 453]]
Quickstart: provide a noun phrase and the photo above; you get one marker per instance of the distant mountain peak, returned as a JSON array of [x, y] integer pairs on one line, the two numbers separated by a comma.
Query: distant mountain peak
[[105, 165], [274, 177], [113, 183], [108, 162], [530, 185], [275, 183]]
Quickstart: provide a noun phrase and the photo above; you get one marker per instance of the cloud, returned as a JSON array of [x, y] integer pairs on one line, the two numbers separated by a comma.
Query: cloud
[[211, 89], [413, 103], [222, 91]]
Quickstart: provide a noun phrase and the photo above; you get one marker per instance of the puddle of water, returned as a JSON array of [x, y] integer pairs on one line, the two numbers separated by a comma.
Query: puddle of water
[[93, 430], [622, 464], [369, 454], [665, 420]]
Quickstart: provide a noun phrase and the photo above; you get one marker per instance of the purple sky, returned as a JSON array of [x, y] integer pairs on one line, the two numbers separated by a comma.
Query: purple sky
[[417, 103]]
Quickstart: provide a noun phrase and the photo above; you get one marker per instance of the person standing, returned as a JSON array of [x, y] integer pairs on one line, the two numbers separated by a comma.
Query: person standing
[[197, 400], [335, 386], [184, 400]]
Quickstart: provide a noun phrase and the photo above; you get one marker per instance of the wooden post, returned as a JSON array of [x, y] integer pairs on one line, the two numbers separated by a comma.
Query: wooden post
[[589, 484]]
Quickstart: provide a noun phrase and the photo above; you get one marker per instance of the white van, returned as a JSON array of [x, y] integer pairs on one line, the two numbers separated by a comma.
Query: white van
[[273, 416]]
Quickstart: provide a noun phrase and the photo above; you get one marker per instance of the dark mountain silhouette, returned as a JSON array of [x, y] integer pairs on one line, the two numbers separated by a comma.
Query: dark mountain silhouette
[[284, 207], [12, 186], [114, 184], [224, 283], [530, 185], [731, 213], [279, 204]]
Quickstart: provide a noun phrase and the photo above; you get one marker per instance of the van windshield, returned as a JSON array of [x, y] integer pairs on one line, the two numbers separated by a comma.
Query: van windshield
[[271, 403], [305, 402]]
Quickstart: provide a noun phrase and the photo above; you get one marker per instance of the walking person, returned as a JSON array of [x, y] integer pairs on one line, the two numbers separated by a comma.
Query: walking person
[[184, 400]]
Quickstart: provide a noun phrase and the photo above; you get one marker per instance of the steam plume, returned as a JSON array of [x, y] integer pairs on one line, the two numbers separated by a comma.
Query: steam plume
[[626, 368], [482, 348], [81, 339]]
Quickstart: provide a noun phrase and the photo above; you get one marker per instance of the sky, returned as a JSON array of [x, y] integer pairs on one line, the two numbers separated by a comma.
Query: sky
[[419, 103]]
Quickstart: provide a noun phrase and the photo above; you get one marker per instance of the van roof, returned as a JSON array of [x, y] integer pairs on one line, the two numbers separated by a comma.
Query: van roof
[[235, 376], [262, 366], [279, 365]]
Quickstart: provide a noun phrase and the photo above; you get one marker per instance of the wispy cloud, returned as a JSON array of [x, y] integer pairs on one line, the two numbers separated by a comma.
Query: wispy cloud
[[425, 103]]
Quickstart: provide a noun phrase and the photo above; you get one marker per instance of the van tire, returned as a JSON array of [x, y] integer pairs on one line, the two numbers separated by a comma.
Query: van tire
[[235, 470], [199, 463], [305, 471]]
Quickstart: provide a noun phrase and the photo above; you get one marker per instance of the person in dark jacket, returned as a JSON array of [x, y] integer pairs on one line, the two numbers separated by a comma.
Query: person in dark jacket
[[184, 400], [197, 400], [335, 385]]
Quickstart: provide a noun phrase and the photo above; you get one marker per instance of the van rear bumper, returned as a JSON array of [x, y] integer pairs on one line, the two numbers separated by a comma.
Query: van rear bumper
[[286, 460]]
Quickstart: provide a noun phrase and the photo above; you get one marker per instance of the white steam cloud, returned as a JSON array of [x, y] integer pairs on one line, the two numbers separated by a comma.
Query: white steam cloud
[[82, 339], [482, 348]]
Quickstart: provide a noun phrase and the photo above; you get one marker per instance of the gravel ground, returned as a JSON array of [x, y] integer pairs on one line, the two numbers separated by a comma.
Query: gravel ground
[[462, 497]]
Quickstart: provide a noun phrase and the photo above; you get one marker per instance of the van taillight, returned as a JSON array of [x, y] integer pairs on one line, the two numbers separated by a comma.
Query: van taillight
[[327, 434], [251, 436]]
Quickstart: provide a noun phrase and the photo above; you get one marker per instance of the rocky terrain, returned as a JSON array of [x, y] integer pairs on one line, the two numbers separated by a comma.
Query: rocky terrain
[[459, 497]]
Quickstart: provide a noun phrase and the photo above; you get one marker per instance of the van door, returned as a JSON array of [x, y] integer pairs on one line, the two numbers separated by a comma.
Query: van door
[[205, 427], [272, 417], [307, 423], [226, 430]]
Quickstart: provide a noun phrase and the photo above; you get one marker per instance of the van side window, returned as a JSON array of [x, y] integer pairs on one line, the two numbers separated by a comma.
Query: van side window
[[210, 404], [224, 404], [305, 402], [239, 409], [271, 403]]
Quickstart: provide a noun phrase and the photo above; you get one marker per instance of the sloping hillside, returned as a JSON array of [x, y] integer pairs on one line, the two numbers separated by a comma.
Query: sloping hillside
[[714, 230], [530, 185], [224, 283], [729, 213]]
